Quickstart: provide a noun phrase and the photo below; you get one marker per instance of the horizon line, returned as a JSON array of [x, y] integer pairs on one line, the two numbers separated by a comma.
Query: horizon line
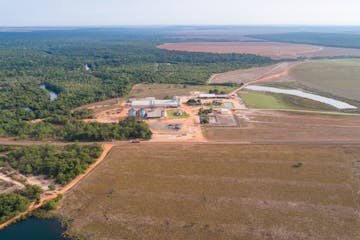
[[178, 25]]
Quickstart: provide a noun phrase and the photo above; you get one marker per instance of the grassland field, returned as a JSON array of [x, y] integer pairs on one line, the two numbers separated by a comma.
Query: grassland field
[[260, 100], [209, 192], [340, 77], [171, 114]]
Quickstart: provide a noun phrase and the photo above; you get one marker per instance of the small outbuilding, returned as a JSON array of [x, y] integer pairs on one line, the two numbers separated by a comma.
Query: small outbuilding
[[213, 96], [132, 112], [225, 111], [154, 114]]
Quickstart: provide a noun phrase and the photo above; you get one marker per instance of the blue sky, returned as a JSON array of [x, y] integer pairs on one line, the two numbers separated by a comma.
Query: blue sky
[[178, 12]]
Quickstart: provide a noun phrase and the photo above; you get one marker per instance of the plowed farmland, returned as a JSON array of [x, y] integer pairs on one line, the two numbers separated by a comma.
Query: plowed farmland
[[270, 49], [218, 192], [291, 127]]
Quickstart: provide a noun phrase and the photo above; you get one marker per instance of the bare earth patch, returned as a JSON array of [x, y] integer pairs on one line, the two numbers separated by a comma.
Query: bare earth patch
[[270, 49], [294, 127]]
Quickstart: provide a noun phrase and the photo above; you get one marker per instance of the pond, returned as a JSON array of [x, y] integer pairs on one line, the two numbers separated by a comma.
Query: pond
[[34, 229], [335, 103], [228, 105], [53, 95]]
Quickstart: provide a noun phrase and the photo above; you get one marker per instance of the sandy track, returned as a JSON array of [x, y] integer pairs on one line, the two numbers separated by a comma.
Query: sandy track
[[277, 71], [107, 148], [257, 73]]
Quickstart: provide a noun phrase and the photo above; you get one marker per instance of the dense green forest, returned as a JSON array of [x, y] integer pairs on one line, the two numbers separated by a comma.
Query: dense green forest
[[323, 39], [90, 65], [74, 130], [60, 163], [130, 128]]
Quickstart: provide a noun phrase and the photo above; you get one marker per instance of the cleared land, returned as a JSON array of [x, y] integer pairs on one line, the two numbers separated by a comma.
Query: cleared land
[[297, 127], [108, 111], [161, 91], [248, 75], [270, 49], [103, 106], [218, 192], [339, 77]]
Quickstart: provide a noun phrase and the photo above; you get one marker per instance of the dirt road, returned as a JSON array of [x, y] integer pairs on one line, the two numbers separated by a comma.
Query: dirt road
[[279, 70], [107, 148]]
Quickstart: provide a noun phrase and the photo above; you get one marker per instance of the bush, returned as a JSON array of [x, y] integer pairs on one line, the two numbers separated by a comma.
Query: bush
[[12, 204], [204, 120], [205, 111], [31, 192], [51, 205], [193, 102]]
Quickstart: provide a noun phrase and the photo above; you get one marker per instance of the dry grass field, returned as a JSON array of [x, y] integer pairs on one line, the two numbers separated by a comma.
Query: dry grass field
[[267, 73], [218, 192], [270, 49], [102, 106], [169, 90], [275, 126]]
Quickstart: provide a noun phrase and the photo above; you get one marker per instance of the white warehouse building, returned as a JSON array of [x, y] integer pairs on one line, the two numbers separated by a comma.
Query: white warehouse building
[[153, 103]]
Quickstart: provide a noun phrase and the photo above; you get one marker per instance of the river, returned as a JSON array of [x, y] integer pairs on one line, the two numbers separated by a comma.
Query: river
[[34, 229], [53, 95], [335, 103]]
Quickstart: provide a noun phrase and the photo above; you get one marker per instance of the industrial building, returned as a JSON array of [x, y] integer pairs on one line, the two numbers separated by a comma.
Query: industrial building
[[142, 113], [207, 96], [156, 114], [132, 112], [153, 103]]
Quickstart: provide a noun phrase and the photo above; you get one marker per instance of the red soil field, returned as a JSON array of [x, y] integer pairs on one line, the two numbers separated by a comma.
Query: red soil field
[[269, 49]]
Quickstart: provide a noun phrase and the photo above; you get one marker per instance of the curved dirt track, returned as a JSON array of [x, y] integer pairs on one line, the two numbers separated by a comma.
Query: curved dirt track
[[107, 148], [277, 71]]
